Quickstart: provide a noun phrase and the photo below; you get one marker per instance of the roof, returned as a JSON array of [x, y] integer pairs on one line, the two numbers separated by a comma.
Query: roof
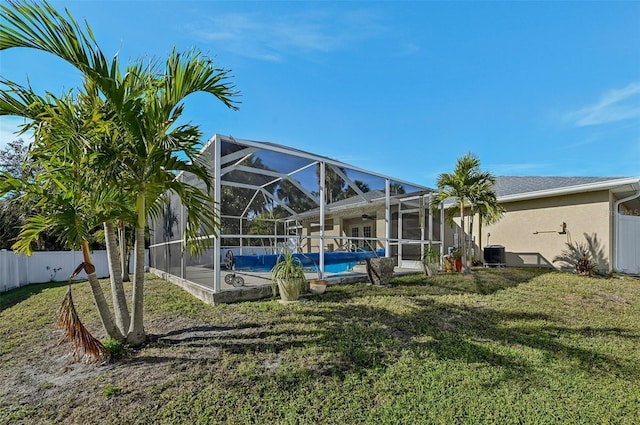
[[516, 185], [518, 188]]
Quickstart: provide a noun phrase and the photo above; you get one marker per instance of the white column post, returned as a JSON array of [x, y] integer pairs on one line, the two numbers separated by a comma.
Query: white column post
[[428, 207], [217, 196], [421, 219], [183, 260], [441, 229], [322, 215], [387, 217], [399, 233]]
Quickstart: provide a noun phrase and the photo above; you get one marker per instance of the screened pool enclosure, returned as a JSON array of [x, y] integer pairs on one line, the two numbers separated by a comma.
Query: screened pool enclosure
[[272, 198]]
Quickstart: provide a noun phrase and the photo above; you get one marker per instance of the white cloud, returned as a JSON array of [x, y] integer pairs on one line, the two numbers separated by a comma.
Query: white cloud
[[274, 37], [614, 105]]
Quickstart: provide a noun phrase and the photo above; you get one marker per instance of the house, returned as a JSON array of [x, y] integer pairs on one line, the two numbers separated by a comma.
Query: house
[[543, 214], [271, 197]]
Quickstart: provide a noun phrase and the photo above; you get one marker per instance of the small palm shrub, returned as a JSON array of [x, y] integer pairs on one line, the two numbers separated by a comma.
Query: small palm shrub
[[431, 261], [582, 257], [585, 267]]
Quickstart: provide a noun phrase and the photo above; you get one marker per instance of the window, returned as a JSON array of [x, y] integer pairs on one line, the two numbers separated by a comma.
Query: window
[[366, 232], [355, 233]]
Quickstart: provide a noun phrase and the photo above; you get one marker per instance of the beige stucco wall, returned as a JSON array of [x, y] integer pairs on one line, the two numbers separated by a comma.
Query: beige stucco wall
[[338, 226], [531, 230]]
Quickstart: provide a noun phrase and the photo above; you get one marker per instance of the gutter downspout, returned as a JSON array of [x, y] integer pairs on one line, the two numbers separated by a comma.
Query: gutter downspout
[[616, 225]]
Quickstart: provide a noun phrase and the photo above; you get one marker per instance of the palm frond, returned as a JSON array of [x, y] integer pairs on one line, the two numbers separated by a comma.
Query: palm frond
[[85, 346]]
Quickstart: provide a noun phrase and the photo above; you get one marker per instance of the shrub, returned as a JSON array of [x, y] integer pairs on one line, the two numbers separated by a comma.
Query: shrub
[[116, 349], [582, 257]]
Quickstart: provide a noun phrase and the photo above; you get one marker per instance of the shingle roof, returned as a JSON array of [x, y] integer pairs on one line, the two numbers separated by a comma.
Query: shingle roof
[[515, 185]]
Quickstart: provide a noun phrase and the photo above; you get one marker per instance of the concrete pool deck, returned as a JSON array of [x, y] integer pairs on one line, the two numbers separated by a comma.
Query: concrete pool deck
[[257, 285]]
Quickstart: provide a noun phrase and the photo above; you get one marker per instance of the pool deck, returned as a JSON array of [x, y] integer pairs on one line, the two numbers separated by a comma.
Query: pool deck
[[257, 285]]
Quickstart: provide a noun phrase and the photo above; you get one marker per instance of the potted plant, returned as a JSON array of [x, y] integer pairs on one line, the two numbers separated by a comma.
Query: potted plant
[[318, 286], [457, 260], [431, 261], [287, 277]]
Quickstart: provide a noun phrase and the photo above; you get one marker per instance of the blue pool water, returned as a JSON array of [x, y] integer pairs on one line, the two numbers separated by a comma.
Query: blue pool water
[[337, 268]]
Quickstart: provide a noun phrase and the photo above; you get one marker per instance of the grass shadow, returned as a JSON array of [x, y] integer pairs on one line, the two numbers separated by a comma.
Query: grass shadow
[[359, 328], [15, 296]]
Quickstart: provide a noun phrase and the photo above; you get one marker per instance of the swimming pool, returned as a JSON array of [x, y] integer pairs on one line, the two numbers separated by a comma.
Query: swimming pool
[[337, 268], [334, 262]]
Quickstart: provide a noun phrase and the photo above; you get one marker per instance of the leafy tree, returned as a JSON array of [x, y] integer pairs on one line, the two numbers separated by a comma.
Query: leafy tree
[[466, 185], [10, 221], [397, 189], [11, 211], [293, 198], [264, 224], [349, 192], [12, 158], [13, 208], [334, 184], [141, 108]]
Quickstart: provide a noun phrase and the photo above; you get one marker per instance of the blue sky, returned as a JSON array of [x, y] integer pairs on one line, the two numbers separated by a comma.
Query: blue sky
[[400, 88]]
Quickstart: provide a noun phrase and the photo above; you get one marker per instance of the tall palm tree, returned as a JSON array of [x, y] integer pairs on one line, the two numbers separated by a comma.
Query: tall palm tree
[[463, 186], [144, 105], [485, 204]]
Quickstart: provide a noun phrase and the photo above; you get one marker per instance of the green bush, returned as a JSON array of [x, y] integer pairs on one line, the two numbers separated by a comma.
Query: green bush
[[116, 349]]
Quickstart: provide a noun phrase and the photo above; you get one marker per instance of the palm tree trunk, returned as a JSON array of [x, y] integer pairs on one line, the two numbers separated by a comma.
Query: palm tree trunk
[[124, 252], [136, 334], [471, 217], [463, 245], [98, 296], [115, 275], [481, 252]]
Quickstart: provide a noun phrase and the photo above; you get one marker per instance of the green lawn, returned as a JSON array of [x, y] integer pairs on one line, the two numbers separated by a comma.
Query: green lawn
[[504, 346]]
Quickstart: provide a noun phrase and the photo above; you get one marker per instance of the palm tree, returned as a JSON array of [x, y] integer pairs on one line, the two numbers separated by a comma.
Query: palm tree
[[67, 131], [485, 203], [333, 183], [142, 105], [464, 185]]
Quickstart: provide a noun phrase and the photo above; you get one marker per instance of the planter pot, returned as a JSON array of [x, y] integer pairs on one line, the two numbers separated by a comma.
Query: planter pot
[[317, 286], [448, 264], [380, 270], [458, 265], [289, 289]]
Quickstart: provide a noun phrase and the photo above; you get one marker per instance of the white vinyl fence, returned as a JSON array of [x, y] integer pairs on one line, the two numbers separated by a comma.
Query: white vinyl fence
[[629, 252], [49, 266]]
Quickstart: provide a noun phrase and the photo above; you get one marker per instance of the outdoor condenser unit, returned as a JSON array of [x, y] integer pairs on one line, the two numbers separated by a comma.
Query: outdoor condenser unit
[[494, 256]]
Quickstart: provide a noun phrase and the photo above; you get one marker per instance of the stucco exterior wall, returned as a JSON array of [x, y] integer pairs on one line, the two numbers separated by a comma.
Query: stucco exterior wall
[[532, 230]]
